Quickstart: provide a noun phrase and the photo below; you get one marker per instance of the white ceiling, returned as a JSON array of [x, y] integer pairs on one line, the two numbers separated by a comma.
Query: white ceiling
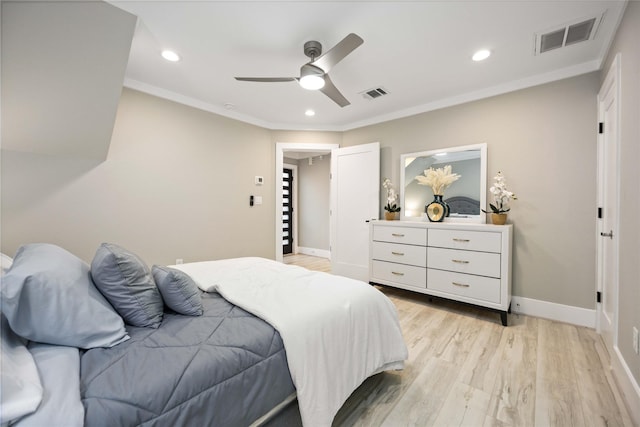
[[419, 51]]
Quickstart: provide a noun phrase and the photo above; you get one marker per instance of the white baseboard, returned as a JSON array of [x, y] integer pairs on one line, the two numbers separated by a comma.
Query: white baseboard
[[550, 310], [322, 253], [627, 385]]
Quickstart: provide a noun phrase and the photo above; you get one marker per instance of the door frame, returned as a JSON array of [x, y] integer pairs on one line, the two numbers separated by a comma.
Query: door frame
[[281, 148], [612, 78]]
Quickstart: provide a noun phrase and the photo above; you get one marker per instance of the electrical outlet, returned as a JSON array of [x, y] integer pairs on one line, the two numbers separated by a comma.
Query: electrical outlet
[[636, 347], [179, 261]]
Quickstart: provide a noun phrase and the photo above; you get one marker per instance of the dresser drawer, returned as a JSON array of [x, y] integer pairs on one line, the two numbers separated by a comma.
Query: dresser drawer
[[466, 285], [399, 273], [470, 262], [403, 254], [407, 235], [484, 241]]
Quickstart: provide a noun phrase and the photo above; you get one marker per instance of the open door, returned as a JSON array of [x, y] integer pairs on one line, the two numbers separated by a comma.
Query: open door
[[355, 200]]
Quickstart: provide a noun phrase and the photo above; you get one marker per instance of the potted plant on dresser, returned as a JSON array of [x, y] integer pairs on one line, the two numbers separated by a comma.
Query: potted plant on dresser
[[501, 199], [391, 209]]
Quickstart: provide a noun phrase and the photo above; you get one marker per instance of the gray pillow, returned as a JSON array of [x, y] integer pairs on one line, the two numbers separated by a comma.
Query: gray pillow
[[179, 292], [125, 280], [48, 296]]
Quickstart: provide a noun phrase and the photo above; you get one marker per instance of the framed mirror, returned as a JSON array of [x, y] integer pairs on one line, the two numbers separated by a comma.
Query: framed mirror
[[466, 196]]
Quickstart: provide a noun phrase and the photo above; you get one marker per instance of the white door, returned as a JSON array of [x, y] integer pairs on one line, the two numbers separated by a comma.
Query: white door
[[355, 195], [608, 202]]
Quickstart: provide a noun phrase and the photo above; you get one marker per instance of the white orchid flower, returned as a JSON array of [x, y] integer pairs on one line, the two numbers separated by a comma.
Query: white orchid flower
[[438, 179]]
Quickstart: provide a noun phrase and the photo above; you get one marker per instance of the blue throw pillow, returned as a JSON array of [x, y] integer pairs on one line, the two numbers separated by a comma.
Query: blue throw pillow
[[125, 280], [179, 292], [48, 296]]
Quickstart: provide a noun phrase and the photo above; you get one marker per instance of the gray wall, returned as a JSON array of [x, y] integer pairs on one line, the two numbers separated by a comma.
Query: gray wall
[[171, 187], [313, 203], [543, 140], [165, 189], [626, 43]]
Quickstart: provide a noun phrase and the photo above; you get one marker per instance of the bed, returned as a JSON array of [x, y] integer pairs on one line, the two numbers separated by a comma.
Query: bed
[[462, 205], [210, 343]]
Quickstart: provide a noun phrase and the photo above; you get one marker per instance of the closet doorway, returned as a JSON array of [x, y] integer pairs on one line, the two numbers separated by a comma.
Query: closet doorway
[[282, 149], [289, 209]]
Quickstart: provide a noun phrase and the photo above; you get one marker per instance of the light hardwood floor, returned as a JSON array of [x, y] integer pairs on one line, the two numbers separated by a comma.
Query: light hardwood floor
[[466, 369]]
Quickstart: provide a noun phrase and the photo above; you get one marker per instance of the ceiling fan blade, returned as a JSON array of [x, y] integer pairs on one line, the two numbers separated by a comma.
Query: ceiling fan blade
[[332, 92], [266, 79], [338, 52]]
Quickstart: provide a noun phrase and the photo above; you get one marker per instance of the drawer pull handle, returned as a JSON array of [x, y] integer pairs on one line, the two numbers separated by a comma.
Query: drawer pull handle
[[460, 261], [463, 285], [460, 240], [397, 274], [397, 235], [397, 253]]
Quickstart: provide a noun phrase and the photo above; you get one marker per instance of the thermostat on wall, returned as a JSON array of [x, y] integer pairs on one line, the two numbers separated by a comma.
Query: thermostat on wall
[[259, 180]]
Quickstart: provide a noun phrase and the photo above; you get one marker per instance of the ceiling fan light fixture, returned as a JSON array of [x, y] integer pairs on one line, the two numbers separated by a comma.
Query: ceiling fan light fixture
[[312, 82], [170, 55], [481, 55]]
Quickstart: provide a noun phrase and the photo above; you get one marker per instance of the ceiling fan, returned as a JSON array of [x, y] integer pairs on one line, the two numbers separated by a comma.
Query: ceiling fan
[[314, 74]]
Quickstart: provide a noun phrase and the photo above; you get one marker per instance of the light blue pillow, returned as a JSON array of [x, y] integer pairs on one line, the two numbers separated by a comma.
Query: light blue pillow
[[59, 369], [125, 280], [20, 386], [48, 296], [179, 292]]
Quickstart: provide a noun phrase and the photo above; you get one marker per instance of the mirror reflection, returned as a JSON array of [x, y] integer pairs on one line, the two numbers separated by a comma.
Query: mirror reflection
[[465, 196]]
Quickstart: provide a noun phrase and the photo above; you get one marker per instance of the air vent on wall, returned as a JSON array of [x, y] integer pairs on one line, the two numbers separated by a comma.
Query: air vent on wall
[[575, 32], [374, 93]]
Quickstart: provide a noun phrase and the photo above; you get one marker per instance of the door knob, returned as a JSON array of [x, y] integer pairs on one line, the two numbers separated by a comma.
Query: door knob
[[609, 234]]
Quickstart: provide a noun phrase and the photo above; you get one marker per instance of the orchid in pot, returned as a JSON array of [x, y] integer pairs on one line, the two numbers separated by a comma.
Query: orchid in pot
[[501, 199], [391, 208]]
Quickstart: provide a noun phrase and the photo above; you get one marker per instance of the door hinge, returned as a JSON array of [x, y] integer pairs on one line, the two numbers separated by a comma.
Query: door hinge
[[601, 127], [598, 296], [599, 213]]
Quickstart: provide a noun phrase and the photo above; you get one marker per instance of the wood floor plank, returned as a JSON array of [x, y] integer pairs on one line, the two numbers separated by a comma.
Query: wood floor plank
[[557, 396], [513, 397], [598, 401], [422, 401], [465, 406]]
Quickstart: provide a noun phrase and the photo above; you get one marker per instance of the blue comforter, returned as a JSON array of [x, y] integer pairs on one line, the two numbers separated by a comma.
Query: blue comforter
[[225, 368]]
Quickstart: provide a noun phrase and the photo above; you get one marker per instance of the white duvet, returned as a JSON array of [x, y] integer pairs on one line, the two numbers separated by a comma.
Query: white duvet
[[336, 331]]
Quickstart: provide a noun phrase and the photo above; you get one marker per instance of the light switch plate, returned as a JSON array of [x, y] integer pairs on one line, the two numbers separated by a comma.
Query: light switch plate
[[259, 180]]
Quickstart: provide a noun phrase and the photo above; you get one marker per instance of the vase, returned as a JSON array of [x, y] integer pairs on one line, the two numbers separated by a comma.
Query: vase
[[498, 218], [389, 216], [436, 210]]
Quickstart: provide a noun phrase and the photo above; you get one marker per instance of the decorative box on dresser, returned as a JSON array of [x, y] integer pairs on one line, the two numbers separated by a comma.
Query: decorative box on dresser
[[465, 262]]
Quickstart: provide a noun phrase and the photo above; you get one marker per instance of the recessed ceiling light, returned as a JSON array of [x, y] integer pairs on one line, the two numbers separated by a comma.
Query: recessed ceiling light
[[309, 113], [481, 55], [170, 55]]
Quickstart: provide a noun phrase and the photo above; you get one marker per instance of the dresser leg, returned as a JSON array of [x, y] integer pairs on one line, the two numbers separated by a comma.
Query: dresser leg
[[503, 317]]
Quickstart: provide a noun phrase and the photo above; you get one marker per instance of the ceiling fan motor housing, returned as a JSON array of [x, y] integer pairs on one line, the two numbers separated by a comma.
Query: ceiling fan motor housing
[[312, 49]]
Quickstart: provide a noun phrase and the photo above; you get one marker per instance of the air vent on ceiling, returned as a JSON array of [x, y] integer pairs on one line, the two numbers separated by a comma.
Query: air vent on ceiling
[[374, 93], [575, 32]]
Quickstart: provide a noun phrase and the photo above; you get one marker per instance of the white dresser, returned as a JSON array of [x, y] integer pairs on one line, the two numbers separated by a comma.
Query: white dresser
[[464, 262]]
